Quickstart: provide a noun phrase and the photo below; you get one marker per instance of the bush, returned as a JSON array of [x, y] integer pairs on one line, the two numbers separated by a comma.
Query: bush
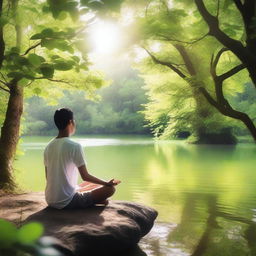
[[25, 241]]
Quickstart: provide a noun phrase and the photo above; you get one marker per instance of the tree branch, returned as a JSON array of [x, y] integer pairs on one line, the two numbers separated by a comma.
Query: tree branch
[[4, 83], [214, 30], [58, 81], [31, 48], [209, 98], [239, 5], [187, 60], [231, 72], [193, 41], [3, 77], [215, 60], [218, 9], [29, 83], [4, 89], [52, 80], [167, 64], [218, 55]]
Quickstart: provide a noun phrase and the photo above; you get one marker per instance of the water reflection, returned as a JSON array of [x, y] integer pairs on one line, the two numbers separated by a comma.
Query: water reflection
[[202, 232]]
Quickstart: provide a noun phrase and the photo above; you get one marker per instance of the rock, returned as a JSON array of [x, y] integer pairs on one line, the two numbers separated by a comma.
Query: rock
[[98, 230]]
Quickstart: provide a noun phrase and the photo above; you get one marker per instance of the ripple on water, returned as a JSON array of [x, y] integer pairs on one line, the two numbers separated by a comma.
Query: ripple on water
[[156, 242]]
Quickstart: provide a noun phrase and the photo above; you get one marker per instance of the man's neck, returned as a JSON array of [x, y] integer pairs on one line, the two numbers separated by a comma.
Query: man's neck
[[63, 134]]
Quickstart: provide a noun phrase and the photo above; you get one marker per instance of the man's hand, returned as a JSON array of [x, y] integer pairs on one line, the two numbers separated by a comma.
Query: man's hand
[[113, 182]]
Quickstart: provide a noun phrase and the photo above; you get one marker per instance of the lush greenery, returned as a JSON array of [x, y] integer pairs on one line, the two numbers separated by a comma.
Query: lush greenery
[[116, 110], [187, 87]]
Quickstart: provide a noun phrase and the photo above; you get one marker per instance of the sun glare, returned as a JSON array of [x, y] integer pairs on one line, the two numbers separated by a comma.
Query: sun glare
[[105, 37]]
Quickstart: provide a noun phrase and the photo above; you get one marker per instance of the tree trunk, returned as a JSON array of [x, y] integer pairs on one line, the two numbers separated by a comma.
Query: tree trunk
[[10, 136], [202, 112]]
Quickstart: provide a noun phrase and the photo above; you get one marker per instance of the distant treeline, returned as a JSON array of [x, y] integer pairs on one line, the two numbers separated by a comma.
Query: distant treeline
[[116, 112]]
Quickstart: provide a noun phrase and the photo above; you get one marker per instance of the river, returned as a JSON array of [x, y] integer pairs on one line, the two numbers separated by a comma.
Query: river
[[205, 195]]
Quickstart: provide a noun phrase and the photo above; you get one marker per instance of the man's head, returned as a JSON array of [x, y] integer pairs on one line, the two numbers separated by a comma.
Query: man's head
[[64, 120]]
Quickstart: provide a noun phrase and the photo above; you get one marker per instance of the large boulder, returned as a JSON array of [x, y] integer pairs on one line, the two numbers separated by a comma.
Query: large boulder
[[98, 230]]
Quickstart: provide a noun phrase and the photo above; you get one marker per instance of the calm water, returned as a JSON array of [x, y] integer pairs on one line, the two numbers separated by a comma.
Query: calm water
[[205, 195]]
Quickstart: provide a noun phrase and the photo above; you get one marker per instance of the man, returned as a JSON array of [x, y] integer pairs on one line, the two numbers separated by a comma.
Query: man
[[63, 158]]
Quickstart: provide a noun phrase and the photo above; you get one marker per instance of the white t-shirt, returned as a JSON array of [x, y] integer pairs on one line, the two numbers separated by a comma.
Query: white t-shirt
[[62, 157]]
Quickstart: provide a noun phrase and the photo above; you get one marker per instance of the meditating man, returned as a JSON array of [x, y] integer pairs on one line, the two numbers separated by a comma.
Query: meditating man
[[63, 158]]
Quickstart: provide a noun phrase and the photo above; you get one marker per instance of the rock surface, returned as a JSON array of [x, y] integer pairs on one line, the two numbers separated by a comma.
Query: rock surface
[[99, 230]]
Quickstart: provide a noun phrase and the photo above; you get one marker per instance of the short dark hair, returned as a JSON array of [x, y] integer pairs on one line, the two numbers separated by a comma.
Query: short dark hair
[[62, 117]]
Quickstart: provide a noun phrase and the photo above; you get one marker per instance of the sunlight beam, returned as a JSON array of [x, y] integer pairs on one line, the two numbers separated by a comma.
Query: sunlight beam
[[105, 37]]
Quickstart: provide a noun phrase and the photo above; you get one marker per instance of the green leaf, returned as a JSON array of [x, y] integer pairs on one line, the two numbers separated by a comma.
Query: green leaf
[[64, 46], [29, 233], [48, 32], [62, 65], [17, 75], [35, 59], [29, 76], [48, 43], [21, 61], [57, 43], [8, 234], [45, 33], [47, 70], [37, 36]]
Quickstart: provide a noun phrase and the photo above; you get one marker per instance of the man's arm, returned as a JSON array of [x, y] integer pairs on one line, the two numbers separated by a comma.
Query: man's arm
[[88, 177], [45, 172]]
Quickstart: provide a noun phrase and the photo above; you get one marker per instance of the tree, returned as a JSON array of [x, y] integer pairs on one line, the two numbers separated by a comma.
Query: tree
[[42, 46], [183, 29], [171, 29]]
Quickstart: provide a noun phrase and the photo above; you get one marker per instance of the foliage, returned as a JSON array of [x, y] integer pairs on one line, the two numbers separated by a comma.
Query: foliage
[[25, 241], [245, 102], [173, 34], [176, 105], [172, 106], [49, 47], [116, 111]]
